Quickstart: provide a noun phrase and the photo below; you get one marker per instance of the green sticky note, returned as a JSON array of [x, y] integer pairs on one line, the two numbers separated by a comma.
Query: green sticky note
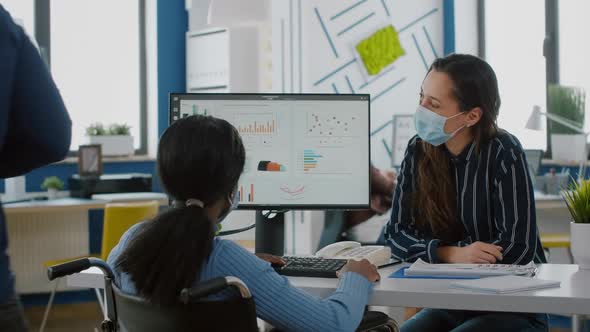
[[380, 49]]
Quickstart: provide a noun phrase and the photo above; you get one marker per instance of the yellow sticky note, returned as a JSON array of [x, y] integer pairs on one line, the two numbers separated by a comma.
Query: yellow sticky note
[[380, 49]]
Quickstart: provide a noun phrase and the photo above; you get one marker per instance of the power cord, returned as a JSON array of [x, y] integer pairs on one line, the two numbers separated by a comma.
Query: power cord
[[268, 214], [237, 230]]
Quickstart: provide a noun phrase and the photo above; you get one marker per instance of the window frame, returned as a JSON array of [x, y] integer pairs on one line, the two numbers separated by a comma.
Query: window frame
[[43, 37], [550, 49]]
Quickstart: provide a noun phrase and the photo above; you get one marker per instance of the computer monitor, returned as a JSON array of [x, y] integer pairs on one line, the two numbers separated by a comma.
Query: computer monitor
[[303, 151], [533, 157]]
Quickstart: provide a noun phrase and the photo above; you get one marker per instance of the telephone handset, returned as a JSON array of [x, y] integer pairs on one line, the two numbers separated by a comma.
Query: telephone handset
[[378, 255]]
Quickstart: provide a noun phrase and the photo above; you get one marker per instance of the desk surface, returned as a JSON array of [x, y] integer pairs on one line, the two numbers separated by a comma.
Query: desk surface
[[71, 203], [548, 201], [573, 297], [131, 197]]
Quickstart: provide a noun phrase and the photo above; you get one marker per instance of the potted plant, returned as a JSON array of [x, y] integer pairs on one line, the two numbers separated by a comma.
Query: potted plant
[[115, 141], [569, 103], [577, 199], [52, 184]]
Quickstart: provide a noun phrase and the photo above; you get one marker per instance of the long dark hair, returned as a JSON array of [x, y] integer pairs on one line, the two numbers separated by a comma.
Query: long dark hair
[[474, 85], [198, 157]]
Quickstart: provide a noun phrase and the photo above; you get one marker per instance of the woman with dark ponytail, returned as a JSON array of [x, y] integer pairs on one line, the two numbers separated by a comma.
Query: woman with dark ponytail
[[199, 162], [464, 194]]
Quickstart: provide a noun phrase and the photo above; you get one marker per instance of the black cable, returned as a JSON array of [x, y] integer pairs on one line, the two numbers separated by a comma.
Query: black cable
[[273, 212], [30, 199], [237, 230]]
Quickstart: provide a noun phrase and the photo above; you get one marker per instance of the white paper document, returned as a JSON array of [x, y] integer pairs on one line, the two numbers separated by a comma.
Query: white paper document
[[422, 268], [505, 284]]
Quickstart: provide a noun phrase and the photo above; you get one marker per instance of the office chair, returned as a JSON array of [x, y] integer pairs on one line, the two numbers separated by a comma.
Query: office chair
[[118, 218], [194, 312], [556, 240]]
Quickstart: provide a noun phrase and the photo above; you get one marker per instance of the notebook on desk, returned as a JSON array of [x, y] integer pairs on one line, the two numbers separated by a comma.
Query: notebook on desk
[[424, 269], [505, 284]]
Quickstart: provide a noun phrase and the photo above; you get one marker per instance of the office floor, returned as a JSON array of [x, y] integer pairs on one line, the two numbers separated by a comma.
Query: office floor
[[66, 317]]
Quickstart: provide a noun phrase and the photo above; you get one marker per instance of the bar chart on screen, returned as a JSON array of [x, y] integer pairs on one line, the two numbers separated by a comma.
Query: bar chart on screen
[[260, 123], [188, 108], [246, 193], [331, 160]]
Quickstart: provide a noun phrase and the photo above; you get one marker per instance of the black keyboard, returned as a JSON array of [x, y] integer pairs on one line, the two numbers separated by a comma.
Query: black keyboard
[[310, 267]]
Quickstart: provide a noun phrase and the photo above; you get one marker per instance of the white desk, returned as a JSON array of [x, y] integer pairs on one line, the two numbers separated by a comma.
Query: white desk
[[132, 197], [97, 201], [573, 297], [547, 201], [59, 204], [40, 231]]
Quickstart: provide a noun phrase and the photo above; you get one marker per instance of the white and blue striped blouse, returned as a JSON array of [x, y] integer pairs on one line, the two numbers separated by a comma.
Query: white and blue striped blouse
[[495, 203]]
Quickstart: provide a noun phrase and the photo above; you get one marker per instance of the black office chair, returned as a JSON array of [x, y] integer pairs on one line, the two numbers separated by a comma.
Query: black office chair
[[194, 312]]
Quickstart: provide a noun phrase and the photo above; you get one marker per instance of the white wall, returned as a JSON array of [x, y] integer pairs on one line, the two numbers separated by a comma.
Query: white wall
[[304, 59]]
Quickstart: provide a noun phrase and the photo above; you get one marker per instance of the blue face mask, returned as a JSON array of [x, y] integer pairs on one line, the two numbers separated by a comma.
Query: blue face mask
[[430, 126]]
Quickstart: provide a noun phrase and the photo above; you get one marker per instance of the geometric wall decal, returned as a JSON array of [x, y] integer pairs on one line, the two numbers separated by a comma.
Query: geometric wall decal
[[372, 56], [380, 49]]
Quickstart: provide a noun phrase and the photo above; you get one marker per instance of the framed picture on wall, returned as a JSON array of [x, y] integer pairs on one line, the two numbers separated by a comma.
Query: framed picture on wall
[[90, 160], [403, 130]]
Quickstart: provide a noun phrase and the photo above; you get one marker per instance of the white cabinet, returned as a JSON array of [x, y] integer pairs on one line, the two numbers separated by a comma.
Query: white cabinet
[[230, 59]]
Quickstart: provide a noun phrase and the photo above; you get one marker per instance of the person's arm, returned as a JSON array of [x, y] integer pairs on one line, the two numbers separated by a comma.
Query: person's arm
[[287, 307], [405, 240], [38, 128], [118, 250], [514, 209]]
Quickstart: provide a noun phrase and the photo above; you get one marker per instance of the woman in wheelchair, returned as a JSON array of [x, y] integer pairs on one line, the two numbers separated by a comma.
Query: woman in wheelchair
[[199, 162]]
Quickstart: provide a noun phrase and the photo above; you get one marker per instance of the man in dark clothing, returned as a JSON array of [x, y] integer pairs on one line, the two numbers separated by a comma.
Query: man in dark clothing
[[35, 130]]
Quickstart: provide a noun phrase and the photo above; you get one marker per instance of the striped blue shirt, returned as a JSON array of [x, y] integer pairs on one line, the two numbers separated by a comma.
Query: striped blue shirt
[[495, 203], [277, 301]]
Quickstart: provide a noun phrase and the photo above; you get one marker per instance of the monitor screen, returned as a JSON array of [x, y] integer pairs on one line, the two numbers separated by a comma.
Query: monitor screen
[[303, 151], [533, 158]]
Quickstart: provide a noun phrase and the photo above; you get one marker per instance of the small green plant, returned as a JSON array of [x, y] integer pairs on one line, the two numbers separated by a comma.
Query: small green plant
[[577, 199], [567, 102], [119, 129], [96, 129], [52, 182]]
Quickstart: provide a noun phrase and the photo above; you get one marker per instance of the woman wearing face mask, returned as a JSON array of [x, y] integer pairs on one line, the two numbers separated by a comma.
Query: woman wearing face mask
[[199, 162], [464, 194]]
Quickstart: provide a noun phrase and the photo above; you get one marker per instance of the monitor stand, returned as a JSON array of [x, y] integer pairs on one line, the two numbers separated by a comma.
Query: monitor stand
[[270, 233]]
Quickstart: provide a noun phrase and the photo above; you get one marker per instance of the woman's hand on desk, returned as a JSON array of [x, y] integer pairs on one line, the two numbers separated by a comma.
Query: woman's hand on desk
[[272, 259], [362, 267], [477, 252]]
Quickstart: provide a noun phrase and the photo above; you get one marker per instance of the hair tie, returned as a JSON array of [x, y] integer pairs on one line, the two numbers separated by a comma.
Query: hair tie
[[191, 201], [194, 201]]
